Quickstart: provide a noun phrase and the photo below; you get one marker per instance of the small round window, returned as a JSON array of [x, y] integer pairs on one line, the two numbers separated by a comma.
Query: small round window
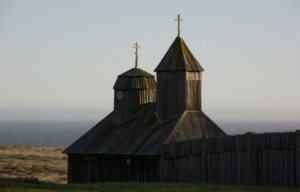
[[119, 95]]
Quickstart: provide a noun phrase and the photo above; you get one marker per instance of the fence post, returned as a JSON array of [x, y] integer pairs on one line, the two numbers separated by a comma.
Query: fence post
[[248, 147], [69, 169], [297, 150], [204, 159]]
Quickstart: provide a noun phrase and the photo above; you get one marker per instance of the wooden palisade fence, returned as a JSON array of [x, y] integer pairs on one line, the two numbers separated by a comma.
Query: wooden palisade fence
[[249, 159]]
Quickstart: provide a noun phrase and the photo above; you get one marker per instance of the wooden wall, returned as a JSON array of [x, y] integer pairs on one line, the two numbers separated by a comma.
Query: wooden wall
[[170, 93], [193, 95], [193, 91], [177, 91], [132, 102], [95, 169], [250, 159]]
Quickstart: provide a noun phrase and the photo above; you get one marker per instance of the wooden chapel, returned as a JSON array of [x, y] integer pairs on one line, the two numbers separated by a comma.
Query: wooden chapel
[[125, 145]]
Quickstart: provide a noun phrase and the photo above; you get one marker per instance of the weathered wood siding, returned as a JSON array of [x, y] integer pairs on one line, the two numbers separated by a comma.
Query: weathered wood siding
[[95, 169], [193, 91], [132, 102], [177, 91], [193, 95], [250, 159], [170, 93], [193, 75]]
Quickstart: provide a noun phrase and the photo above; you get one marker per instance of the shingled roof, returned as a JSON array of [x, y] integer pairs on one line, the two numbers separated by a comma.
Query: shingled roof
[[136, 72], [143, 134], [179, 58], [135, 78]]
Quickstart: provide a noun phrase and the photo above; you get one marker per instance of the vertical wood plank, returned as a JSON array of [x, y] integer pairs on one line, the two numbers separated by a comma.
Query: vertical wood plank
[[239, 165], [285, 167], [162, 156], [204, 159], [297, 160], [248, 146]]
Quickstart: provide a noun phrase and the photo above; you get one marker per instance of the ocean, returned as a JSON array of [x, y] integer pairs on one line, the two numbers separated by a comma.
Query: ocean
[[64, 133]]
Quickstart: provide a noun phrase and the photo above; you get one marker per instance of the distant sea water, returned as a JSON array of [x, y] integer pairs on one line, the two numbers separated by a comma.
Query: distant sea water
[[64, 133], [43, 133]]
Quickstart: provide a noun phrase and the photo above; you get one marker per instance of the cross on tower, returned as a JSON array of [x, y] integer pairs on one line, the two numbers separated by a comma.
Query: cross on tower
[[136, 53], [178, 24]]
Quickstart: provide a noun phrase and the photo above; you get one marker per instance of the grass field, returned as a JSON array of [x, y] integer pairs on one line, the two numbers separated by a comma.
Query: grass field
[[9, 184], [50, 166], [45, 163]]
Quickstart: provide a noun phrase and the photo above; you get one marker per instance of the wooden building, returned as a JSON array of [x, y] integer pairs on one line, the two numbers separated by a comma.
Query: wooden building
[[134, 89], [125, 145]]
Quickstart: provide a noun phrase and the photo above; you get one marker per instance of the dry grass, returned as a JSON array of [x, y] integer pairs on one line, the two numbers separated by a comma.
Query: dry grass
[[45, 163]]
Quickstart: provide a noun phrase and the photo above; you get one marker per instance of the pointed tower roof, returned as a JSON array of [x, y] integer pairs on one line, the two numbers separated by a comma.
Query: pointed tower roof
[[179, 58]]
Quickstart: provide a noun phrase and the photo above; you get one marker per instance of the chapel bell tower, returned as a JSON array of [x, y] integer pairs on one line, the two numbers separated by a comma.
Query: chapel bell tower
[[134, 89], [179, 79]]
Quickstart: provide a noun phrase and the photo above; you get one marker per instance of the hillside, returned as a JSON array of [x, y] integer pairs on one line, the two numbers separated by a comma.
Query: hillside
[[45, 163]]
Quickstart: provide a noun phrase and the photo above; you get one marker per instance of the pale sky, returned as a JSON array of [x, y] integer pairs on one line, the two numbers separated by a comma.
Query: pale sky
[[60, 59]]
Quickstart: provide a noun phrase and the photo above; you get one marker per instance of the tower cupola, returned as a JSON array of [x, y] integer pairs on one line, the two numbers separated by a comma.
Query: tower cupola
[[134, 89], [179, 79]]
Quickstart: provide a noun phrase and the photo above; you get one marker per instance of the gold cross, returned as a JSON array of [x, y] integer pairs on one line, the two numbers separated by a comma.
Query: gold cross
[[178, 24], [136, 54]]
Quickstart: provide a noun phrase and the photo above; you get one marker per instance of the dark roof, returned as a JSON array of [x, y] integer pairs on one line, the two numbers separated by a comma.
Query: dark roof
[[136, 72], [143, 134], [179, 58], [194, 124], [135, 83], [135, 78]]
